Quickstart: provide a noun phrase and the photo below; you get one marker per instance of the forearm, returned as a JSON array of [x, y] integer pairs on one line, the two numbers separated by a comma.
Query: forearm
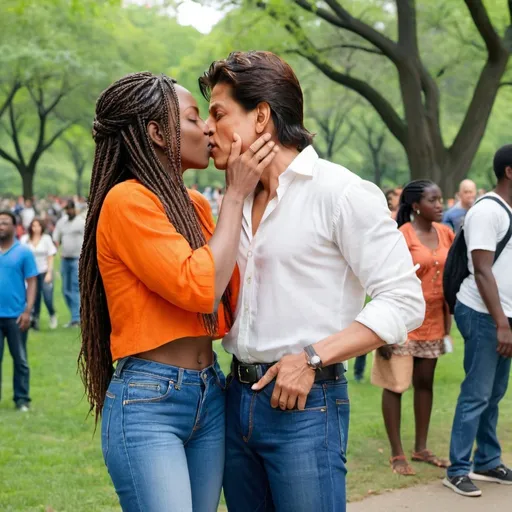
[[353, 341], [31, 293], [50, 264], [225, 241], [488, 289]]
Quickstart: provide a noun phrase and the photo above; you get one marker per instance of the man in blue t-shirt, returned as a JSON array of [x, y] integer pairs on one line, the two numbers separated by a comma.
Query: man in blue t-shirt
[[454, 217], [17, 267]]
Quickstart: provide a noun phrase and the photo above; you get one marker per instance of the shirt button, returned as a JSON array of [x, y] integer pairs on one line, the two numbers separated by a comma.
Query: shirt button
[[246, 309], [249, 279], [249, 254]]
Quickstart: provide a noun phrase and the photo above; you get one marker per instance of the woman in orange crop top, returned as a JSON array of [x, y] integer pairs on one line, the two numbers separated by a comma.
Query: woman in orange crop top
[[155, 292], [429, 243]]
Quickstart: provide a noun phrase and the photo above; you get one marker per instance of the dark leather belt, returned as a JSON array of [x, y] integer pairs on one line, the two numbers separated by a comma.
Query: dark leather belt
[[252, 373]]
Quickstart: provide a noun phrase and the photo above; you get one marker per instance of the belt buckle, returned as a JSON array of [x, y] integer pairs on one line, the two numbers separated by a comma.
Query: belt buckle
[[240, 378]]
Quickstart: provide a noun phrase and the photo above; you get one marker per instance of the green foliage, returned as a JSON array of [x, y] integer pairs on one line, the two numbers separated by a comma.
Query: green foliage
[[88, 44], [77, 48]]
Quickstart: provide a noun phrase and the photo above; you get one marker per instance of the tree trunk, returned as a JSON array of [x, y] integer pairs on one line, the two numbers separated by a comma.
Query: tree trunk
[[79, 185], [27, 179]]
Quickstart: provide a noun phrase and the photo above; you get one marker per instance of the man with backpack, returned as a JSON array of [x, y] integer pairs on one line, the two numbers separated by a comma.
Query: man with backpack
[[483, 313]]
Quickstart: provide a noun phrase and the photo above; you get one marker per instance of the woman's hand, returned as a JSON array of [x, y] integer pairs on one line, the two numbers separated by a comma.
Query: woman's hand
[[244, 170], [48, 278]]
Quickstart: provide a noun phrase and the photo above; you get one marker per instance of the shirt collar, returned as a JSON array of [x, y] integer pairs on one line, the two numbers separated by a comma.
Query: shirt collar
[[305, 162], [16, 243]]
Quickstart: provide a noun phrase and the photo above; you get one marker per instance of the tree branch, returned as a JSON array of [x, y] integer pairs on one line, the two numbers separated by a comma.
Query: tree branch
[[307, 50], [9, 158], [493, 42], [388, 114], [505, 84], [350, 47], [407, 28], [14, 135], [343, 19], [10, 97], [57, 134]]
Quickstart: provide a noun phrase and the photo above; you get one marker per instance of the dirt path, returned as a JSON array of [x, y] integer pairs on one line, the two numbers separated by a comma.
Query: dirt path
[[435, 497]]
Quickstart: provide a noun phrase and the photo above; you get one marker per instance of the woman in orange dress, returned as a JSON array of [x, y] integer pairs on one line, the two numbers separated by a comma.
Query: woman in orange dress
[[419, 216]]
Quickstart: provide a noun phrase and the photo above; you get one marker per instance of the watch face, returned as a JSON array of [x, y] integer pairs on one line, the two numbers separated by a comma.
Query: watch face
[[315, 360]]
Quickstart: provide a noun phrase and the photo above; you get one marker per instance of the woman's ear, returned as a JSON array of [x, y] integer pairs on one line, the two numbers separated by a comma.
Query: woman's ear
[[156, 134], [263, 117]]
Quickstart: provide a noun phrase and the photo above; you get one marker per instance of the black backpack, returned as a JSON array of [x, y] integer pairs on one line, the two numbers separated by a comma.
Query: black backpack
[[456, 267]]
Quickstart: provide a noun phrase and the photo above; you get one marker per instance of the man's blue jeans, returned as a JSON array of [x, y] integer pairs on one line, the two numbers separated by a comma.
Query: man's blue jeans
[[289, 461], [487, 377], [17, 341], [162, 434], [70, 288]]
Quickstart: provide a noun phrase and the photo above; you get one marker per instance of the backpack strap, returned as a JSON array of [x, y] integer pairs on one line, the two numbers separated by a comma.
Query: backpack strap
[[503, 243]]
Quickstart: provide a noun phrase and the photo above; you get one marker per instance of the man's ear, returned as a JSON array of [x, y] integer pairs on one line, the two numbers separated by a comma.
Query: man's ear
[[156, 134], [263, 117], [508, 172]]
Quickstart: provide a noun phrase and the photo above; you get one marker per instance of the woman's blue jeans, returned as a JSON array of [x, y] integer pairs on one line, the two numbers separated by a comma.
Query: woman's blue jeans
[[163, 431]]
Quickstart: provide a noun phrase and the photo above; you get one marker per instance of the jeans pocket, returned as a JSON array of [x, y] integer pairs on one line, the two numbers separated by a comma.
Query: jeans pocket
[[106, 413], [316, 401], [144, 389]]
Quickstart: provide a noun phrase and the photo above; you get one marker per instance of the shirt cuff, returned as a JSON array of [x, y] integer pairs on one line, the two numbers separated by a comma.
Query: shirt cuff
[[385, 321]]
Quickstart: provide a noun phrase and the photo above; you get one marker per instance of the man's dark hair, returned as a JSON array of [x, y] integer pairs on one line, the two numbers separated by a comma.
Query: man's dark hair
[[70, 204], [263, 77], [9, 214], [502, 160]]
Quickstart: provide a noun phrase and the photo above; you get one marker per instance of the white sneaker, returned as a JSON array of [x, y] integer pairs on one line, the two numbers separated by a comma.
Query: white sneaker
[[23, 408], [53, 322]]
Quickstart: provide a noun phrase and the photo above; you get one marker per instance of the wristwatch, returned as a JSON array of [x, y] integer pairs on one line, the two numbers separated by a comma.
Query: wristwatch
[[313, 359]]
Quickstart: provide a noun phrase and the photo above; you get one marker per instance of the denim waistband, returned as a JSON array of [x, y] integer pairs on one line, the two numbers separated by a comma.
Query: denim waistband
[[166, 371]]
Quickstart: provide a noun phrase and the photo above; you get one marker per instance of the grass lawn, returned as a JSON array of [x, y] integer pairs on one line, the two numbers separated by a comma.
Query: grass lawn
[[51, 461]]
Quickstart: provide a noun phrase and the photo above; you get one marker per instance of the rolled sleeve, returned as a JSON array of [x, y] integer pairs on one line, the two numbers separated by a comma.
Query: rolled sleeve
[[148, 244], [378, 255]]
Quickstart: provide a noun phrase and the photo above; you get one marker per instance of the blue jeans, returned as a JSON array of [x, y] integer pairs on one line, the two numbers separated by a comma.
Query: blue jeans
[[485, 384], [44, 291], [289, 461], [162, 434], [17, 341], [70, 288]]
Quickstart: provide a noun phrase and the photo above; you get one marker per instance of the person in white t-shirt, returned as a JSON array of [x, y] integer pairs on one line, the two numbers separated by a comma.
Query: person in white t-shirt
[[44, 251], [484, 316], [27, 214]]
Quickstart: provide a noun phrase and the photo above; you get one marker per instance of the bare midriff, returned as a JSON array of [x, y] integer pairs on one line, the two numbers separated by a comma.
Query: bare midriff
[[189, 353]]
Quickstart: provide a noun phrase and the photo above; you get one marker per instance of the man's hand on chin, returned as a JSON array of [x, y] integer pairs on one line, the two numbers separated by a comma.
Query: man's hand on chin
[[294, 380]]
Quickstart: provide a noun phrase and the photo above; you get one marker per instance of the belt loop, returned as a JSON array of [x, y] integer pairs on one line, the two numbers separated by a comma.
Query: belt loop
[[119, 367], [178, 384]]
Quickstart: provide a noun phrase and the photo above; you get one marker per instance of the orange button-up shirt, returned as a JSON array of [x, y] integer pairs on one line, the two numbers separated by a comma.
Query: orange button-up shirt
[[431, 275], [156, 285]]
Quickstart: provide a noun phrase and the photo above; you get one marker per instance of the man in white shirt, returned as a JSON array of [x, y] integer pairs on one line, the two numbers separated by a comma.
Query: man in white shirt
[[314, 238], [484, 316], [69, 237]]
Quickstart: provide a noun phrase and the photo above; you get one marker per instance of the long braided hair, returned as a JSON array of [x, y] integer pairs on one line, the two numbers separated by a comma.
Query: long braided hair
[[412, 193], [123, 151]]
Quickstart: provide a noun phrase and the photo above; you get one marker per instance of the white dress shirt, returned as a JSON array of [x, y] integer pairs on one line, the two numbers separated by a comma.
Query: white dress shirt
[[325, 241]]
